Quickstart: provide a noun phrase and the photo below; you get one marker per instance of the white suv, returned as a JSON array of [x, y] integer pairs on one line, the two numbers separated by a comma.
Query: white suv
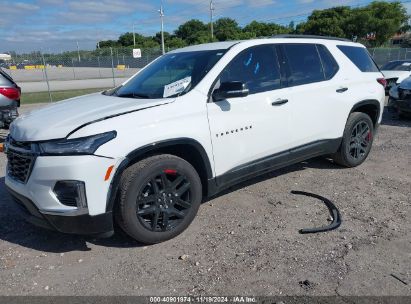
[[193, 122]]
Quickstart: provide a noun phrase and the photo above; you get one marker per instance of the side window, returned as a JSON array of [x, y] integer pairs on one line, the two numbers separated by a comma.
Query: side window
[[329, 64], [360, 57], [304, 64], [257, 67]]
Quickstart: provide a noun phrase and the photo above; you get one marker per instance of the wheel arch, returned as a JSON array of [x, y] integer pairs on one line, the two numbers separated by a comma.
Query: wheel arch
[[186, 148], [371, 107]]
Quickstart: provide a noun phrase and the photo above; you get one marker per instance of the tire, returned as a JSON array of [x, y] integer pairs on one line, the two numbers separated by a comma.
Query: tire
[[159, 198], [357, 141]]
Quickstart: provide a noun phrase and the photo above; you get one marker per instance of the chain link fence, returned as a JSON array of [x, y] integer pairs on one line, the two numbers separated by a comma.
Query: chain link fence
[[105, 68], [384, 55], [100, 64]]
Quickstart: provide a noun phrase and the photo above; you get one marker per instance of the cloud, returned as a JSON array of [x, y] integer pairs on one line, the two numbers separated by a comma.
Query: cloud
[[108, 6], [261, 3]]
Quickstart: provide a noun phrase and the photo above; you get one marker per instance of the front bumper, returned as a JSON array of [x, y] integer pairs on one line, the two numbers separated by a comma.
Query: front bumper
[[42, 207], [99, 225], [402, 105]]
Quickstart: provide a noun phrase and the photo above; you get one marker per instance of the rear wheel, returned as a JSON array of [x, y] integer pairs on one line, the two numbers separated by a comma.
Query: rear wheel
[[159, 198], [357, 140]]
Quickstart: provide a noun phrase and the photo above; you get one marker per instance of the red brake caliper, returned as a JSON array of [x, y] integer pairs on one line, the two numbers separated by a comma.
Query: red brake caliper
[[170, 171], [369, 136]]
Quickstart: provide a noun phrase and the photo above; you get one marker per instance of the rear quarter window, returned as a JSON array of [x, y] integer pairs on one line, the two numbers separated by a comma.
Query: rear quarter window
[[330, 66], [360, 57]]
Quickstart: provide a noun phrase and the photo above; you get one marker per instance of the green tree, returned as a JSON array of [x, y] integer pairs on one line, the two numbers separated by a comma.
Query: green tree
[[381, 18], [126, 39], [262, 29], [108, 43], [175, 43], [328, 22], [190, 31], [226, 29], [387, 18]]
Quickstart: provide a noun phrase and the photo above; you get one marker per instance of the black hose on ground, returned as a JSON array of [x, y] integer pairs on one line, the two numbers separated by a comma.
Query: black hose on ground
[[334, 212]]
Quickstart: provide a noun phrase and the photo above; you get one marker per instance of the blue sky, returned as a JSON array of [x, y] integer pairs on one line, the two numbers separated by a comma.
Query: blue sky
[[57, 25]]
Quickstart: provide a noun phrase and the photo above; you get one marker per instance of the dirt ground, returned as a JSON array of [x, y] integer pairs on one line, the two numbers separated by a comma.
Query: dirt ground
[[245, 241]]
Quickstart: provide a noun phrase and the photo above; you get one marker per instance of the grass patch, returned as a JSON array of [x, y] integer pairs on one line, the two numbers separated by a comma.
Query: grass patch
[[43, 97]]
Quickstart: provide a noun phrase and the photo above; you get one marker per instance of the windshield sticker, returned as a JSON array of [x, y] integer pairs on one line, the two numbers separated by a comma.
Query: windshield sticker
[[407, 64], [176, 87]]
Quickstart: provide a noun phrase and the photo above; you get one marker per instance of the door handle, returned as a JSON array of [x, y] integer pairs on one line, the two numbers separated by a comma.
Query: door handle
[[342, 90], [279, 102]]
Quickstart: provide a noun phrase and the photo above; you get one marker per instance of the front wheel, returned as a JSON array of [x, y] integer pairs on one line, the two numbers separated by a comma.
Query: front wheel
[[357, 140], [159, 198]]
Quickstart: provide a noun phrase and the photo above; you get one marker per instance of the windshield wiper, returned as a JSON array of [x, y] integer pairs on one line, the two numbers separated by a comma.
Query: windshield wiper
[[134, 95], [111, 92]]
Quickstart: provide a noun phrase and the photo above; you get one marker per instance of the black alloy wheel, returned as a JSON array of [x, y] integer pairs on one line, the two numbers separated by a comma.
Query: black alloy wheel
[[164, 202], [356, 142], [159, 197], [360, 140]]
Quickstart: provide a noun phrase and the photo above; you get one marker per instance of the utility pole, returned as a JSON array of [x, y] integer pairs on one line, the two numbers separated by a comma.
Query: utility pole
[[161, 11], [211, 19], [78, 52], [134, 36]]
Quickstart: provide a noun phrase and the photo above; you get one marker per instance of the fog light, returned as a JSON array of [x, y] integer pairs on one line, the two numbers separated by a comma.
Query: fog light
[[71, 193]]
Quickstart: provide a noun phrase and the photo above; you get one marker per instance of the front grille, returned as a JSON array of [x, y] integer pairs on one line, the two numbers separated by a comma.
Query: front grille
[[20, 160]]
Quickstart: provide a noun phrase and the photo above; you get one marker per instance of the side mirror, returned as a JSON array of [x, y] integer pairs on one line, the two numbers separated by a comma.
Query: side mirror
[[231, 89]]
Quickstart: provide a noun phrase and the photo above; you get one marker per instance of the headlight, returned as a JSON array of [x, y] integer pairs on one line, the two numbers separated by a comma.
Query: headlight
[[78, 146]]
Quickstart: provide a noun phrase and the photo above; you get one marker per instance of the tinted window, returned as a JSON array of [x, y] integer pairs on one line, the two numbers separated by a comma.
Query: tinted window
[[330, 66], [360, 57], [304, 64], [257, 67]]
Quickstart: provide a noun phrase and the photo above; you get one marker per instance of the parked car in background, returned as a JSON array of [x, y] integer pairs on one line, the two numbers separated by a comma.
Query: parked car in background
[[4, 64], [400, 98], [9, 99], [395, 72]]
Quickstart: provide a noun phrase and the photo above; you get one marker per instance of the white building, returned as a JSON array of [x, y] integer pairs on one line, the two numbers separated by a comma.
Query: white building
[[5, 57]]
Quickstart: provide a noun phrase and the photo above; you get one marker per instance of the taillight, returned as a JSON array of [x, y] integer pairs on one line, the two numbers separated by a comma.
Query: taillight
[[12, 93], [382, 81]]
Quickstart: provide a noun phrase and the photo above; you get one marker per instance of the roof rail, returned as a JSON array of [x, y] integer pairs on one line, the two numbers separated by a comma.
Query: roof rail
[[310, 37]]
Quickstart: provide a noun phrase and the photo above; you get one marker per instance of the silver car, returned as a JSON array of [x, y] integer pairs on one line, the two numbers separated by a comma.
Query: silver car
[[10, 94]]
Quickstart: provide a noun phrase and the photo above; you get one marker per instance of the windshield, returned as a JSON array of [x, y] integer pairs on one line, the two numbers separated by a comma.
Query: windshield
[[170, 76], [397, 66]]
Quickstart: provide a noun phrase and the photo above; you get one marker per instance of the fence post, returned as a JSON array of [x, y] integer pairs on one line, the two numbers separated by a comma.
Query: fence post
[[99, 67], [72, 65], [112, 66], [47, 78]]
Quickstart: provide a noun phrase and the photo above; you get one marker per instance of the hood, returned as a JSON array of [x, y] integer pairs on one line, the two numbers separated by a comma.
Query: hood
[[59, 119], [401, 75]]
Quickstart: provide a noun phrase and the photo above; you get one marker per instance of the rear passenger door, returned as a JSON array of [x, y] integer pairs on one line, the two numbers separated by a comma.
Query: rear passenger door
[[313, 92]]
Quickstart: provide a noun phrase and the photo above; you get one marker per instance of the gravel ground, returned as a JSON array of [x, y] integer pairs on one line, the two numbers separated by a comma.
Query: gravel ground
[[245, 241]]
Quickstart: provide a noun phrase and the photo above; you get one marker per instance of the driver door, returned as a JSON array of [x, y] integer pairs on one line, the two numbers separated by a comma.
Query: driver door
[[246, 130]]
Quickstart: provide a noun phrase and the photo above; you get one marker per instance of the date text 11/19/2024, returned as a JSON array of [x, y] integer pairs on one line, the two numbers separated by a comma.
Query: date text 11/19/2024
[[203, 299]]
